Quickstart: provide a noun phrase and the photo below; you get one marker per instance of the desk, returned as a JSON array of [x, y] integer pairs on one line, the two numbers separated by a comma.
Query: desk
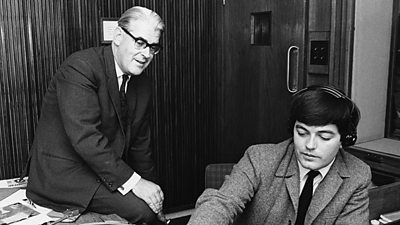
[[95, 217], [383, 156], [384, 199], [5, 192], [84, 218], [180, 221]]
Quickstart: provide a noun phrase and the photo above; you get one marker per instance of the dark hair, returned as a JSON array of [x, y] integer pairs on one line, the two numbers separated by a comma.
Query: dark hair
[[323, 105]]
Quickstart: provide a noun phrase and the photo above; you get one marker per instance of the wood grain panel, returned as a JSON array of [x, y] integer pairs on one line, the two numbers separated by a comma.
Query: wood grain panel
[[320, 15], [256, 100]]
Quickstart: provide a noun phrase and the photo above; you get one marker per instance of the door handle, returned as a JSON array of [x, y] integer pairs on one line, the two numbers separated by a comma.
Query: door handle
[[292, 76]]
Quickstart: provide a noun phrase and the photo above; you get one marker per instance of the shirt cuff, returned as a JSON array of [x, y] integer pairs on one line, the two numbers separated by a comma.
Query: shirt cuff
[[129, 184]]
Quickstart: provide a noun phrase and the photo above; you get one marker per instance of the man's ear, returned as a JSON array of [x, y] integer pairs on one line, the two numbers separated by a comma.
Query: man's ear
[[117, 36]]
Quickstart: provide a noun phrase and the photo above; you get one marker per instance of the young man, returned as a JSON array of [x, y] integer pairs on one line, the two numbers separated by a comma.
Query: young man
[[308, 179], [91, 148]]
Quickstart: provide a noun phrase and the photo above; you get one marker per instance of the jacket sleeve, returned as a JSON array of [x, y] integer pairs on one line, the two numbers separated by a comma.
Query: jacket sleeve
[[139, 154], [81, 116], [222, 206]]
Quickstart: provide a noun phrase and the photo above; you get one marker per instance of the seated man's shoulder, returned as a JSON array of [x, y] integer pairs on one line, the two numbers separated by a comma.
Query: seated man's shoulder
[[356, 165], [86, 54], [270, 151], [85, 61]]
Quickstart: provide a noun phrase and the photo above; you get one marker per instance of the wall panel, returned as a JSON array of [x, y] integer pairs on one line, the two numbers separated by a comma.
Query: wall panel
[[37, 35]]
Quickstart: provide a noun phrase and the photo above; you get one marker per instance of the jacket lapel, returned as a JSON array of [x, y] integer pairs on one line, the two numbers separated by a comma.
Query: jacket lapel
[[292, 182], [289, 169], [327, 189], [112, 83]]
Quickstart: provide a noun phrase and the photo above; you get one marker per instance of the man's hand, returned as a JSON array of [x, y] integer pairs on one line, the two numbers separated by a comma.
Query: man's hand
[[151, 193]]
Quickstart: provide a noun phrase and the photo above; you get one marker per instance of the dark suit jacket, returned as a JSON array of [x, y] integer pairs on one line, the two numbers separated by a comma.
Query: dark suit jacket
[[264, 186], [79, 141]]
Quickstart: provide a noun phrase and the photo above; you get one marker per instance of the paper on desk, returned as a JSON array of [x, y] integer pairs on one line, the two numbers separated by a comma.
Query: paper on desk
[[14, 183], [390, 217], [16, 210]]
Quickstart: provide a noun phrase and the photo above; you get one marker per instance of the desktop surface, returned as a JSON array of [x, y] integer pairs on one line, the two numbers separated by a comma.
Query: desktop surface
[[180, 221]]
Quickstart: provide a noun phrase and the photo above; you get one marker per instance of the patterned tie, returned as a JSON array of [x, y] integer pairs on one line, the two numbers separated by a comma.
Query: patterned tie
[[305, 197], [124, 104]]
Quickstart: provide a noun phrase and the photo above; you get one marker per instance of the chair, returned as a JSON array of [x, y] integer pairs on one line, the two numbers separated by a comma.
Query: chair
[[215, 174]]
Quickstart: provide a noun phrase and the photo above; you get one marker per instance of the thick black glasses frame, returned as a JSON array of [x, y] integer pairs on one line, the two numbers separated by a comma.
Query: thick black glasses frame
[[154, 48]]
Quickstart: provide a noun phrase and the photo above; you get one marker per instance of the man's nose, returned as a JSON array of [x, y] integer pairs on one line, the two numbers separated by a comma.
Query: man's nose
[[311, 143], [146, 52]]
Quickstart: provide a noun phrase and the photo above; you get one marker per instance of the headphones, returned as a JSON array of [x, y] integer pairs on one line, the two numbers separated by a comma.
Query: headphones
[[350, 136]]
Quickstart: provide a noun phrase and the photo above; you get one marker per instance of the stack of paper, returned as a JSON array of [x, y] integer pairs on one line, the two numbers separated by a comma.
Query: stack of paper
[[14, 183], [17, 209], [390, 217]]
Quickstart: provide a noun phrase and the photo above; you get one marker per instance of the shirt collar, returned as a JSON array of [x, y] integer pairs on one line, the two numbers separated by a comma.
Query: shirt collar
[[323, 171], [118, 70]]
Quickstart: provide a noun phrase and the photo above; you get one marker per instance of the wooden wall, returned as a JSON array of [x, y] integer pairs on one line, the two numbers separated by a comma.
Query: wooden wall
[[37, 35]]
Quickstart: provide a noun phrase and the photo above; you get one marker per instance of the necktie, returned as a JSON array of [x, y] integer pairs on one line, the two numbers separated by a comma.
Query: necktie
[[124, 104], [305, 197]]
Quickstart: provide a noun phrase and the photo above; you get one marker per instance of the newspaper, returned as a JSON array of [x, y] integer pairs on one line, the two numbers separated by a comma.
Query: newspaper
[[16, 212], [14, 183], [17, 209]]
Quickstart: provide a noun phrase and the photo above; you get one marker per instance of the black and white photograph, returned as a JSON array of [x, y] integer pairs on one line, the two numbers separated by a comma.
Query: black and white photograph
[[200, 112]]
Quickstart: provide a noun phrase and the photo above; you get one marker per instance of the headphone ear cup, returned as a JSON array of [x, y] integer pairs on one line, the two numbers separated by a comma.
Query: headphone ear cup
[[351, 136], [349, 139]]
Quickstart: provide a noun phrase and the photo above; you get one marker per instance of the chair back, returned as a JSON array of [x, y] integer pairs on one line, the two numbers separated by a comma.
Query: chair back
[[215, 174]]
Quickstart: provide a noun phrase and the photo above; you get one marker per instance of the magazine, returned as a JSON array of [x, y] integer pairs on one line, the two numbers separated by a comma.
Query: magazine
[[16, 212], [14, 183], [17, 209]]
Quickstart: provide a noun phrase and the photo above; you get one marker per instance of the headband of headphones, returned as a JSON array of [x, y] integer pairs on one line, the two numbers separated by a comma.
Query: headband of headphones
[[330, 90]]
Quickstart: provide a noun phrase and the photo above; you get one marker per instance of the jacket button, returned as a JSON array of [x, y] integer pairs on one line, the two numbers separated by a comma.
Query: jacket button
[[110, 184], [98, 180]]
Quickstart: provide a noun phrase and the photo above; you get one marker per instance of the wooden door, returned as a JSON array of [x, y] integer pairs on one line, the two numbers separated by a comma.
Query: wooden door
[[257, 37]]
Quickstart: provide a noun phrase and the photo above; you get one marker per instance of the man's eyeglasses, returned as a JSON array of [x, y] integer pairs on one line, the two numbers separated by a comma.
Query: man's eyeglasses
[[141, 44]]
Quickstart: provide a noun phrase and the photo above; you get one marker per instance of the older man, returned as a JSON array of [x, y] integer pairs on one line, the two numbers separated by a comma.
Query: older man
[[91, 148]]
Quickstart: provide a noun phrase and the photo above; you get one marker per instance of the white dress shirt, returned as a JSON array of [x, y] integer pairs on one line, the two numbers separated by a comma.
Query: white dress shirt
[[119, 77], [322, 173], [134, 179]]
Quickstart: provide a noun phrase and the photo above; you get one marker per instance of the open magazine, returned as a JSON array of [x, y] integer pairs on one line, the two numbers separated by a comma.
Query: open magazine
[[16, 209], [16, 212], [14, 183]]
